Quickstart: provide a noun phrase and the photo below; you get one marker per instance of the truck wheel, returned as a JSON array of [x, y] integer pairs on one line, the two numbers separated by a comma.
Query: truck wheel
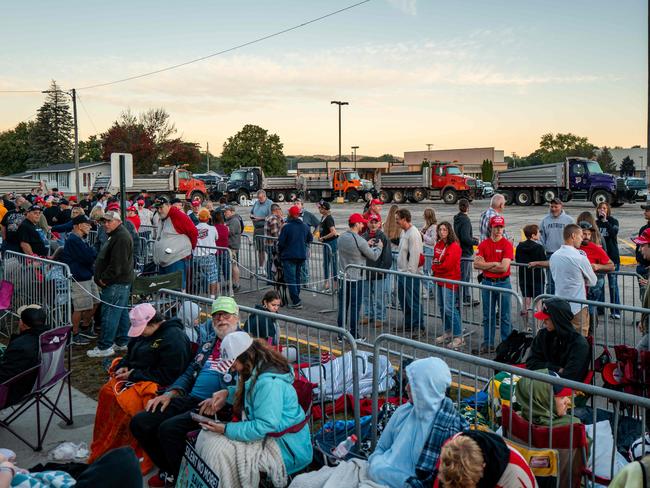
[[312, 196], [367, 196], [197, 195], [549, 195], [279, 197], [242, 197], [399, 196], [450, 197], [419, 194], [599, 197], [524, 198], [509, 196], [385, 196], [352, 196], [291, 196]]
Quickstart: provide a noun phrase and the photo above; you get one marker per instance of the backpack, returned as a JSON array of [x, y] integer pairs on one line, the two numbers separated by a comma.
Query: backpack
[[513, 349], [305, 393]]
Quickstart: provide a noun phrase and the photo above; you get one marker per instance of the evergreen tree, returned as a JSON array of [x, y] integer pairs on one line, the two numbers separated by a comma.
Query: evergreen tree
[[627, 166], [606, 161], [487, 170], [52, 139]]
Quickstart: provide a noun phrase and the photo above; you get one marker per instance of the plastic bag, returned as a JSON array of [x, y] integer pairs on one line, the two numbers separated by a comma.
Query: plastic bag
[[69, 451]]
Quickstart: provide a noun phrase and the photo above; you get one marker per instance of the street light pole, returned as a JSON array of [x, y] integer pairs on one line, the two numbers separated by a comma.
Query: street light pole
[[354, 156], [73, 94], [339, 103]]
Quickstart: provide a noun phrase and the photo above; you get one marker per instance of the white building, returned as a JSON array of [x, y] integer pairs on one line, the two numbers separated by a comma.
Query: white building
[[636, 154], [62, 176]]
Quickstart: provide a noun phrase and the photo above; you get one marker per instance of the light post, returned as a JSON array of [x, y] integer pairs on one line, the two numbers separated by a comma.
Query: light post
[[73, 94], [339, 103], [354, 156], [429, 147]]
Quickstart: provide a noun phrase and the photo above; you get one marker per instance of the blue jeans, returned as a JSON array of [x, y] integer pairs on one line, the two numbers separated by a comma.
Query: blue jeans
[[428, 261], [596, 293], [172, 268], [330, 259], [466, 276], [489, 301], [447, 301], [115, 321], [353, 291], [612, 280], [375, 298], [304, 270], [550, 284], [408, 293], [292, 271]]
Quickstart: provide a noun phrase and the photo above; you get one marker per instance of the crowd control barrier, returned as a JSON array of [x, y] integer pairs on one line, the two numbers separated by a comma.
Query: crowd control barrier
[[209, 271]]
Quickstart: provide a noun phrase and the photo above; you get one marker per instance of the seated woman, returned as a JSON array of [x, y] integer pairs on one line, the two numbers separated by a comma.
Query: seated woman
[[158, 353], [534, 398], [474, 459], [266, 401], [265, 327]]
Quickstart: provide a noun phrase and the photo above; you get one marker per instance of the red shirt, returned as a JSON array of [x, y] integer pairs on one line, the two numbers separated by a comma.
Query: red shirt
[[495, 252], [222, 235], [595, 253], [446, 263]]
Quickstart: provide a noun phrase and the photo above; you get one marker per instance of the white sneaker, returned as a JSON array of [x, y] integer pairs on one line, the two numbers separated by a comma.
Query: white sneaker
[[96, 352], [117, 348]]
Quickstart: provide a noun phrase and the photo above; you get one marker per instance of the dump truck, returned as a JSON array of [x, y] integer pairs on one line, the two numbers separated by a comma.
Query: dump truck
[[435, 182], [345, 181], [574, 179]]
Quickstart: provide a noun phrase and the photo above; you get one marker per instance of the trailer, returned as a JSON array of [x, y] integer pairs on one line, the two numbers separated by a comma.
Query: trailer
[[19, 185]]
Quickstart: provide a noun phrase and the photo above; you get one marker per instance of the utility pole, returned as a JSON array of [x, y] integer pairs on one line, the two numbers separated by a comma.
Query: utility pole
[[429, 147], [339, 103], [354, 156], [207, 156]]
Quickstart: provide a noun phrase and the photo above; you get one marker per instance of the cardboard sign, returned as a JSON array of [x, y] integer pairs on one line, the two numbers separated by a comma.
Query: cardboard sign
[[194, 473]]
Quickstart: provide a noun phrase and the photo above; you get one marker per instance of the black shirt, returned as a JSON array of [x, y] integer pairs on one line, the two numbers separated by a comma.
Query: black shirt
[[11, 222], [50, 215], [27, 233], [64, 216], [325, 225]]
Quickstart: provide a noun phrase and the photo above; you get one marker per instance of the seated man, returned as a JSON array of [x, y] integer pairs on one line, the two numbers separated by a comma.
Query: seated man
[[558, 346], [22, 352], [161, 429]]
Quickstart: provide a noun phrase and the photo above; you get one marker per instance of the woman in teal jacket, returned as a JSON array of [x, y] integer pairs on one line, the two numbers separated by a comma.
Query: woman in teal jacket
[[264, 398]]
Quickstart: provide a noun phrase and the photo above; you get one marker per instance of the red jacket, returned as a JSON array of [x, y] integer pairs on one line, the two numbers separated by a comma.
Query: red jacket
[[183, 224], [446, 263]]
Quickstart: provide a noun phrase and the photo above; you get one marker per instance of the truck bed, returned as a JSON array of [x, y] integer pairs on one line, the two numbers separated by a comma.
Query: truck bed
[[18, 185], [322, 183], [402, 180], [152, 183], [544, 175], [279, 183]]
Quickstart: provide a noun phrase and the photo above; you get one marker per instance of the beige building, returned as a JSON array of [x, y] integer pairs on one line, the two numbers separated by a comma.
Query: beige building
[[470, 159]]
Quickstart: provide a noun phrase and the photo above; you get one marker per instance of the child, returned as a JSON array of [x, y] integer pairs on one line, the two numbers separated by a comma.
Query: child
[[531, 277]]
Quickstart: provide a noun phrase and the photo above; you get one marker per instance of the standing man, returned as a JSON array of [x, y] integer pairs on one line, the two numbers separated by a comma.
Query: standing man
[[145, 214], [204, 254], [497, 205], [375, 298], [260, 211], [31, 241], [571, 270], [312, 223], [10, 224], [493, 259], [235, 228], [329, 237], [114, 275], [467, 241], [643, 264], [551, 234], [272, 227], [175, 239], [408, 261], [292, 247], [80, 258]]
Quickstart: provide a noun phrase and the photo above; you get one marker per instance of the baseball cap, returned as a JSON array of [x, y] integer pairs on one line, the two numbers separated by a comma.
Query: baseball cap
[[555, 201], [229, 207], [585, 225], [324, 204], [225, 304], [140, 202], [643, 238], [357, 218], [111, 215], [131, 209], [140, 315], [63, 201], [22, 308], [376, 201], [73, 198], [80, 219], [497, 221], [232, 346], [113, 206], [560, 391], [196, 202], [294, 211], [176, 200], [204, 215], [374, 216], [160, 201], [35, 208]]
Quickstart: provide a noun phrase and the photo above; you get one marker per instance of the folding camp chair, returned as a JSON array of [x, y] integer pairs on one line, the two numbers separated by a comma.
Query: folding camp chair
[[543, 462], [570, 441], [50, 372], [6, 293], [145, 285]]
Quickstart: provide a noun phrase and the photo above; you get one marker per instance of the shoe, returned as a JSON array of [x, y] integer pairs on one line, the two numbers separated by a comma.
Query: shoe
[[160, 480], [360, 339], [296, 306], [443, 338], [261, 271], [118, 348], [365, 320], [457, 343], [236, 287], [87, 333], [96, 352], [79, 340], [471, 303], [486, 349], [616, 316]]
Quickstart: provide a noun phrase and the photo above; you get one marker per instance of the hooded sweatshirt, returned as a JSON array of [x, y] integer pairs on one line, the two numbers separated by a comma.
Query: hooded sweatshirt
[[551, 231], [537, 404], [563, 348], [177, 234], [401, 442], [463, 229]]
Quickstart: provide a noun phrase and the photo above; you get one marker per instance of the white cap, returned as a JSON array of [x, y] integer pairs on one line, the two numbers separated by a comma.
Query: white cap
[[233, 346]]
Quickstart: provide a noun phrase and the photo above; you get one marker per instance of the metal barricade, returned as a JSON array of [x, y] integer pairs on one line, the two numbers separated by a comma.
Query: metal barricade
[[246, 262], [382, 300], [473, 375], [148, 231], [40, 281], [311, 348], [210, 271], [92, 238]]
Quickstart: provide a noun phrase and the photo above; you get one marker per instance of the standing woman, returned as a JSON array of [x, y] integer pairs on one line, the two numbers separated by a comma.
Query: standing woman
[[329, 237], [429, 238], [608, 227], [391, 229], [446, 264]]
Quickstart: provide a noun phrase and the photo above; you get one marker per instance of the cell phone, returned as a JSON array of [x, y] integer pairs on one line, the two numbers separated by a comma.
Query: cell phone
[[203, 419]]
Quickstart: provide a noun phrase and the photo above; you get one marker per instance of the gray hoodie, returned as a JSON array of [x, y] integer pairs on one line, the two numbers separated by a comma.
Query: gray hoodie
[[551, 231]]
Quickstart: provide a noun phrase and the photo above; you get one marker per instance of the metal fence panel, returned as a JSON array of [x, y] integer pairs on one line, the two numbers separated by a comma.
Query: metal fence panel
[[209, 271]]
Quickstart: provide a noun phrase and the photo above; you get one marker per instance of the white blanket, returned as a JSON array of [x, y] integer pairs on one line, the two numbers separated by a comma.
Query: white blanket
[[348, 474], [238, 464]]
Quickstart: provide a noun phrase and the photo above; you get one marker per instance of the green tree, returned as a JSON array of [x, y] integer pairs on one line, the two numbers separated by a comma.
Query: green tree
[[606, 161], [90, 150], [627, 166], [254, 146], [487, 170], [554, 148], [14, 148], [51, 140]]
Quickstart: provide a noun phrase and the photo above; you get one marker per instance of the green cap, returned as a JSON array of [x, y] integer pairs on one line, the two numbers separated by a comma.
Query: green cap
[[225, 304]]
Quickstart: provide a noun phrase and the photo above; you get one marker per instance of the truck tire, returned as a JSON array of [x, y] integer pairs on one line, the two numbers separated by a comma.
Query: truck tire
[[509, 196], [450, 196], [399, 196], [524, 198], [292, 195], [549, 195], [367, 196], [279, 197], [313, 196], [600, 196], [242, 197], [197, 194], [385, 196], [352, 196], [419, 194]]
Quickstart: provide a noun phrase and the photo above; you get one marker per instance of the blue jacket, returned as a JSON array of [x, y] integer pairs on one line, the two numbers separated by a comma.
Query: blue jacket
[[79, 257], [273, 406], [293, 240]]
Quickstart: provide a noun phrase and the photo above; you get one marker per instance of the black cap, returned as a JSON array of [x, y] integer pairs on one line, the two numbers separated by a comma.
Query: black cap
[[80, 219], [63, 201], [160, 201], [35, 208], [176, 200], [555, 201], [585, 225], [324, 204]]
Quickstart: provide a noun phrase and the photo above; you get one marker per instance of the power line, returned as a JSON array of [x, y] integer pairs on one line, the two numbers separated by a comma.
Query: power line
[[21, 91], [87, 114]]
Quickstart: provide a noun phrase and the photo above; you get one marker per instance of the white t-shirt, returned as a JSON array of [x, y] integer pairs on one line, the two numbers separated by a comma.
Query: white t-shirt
[[571, 269], [207, 238]]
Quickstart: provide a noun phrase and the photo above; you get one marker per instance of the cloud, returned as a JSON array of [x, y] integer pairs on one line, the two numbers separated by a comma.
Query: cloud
[[407, 6]]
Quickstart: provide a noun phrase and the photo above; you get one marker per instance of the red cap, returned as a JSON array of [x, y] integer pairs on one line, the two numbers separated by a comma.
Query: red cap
[[643, 238], [376, 201], [131, 209], [140, 202], [73, 198], [196, 203], [357, 218], [541, 315], [113, 206], [497, 221], [294, 211], [374, 216], [562, 392]]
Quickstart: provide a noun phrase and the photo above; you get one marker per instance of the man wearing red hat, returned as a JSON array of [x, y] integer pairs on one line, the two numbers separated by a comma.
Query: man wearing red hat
[[374, 209], [493, 259], [292, 248]]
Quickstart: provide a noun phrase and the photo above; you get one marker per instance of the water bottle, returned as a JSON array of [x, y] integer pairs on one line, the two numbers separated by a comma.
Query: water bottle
[[344, 447]]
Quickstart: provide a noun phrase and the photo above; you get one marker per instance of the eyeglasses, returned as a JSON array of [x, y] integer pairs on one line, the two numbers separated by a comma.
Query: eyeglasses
[[218, 315]]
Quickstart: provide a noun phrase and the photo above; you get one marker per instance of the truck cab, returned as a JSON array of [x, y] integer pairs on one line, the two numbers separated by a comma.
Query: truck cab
[[450, 182], [188, 185], [587, 180], [243, 183], [349, 183]]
